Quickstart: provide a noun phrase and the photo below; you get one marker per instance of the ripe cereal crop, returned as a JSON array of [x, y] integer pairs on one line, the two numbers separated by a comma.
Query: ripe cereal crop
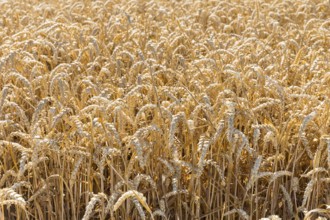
[[165, 109]]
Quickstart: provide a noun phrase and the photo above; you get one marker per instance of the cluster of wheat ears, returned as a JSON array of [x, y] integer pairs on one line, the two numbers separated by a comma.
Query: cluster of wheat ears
[[165, 109]]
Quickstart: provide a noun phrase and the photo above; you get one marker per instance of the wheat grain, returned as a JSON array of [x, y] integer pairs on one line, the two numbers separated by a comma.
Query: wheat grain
[[129, 194], [203, 146], [287, 199], [159, 212], [89, 208], [307, 192], [147, 178], [9, 196], [278, 174], [306, 120], [254, 172]]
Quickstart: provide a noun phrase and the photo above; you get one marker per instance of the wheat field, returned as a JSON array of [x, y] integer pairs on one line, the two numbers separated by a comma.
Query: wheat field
[[165, 109]]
